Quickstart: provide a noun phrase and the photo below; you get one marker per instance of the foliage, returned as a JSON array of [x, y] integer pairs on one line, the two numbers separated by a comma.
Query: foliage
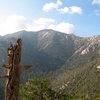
[[83, 83], [40, 89]]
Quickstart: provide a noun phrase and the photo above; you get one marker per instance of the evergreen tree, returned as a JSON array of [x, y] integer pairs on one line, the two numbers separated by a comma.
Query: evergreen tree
[[36, 89]]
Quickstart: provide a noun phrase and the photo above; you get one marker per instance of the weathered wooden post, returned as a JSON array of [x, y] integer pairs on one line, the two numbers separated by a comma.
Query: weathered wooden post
[[13, 71]]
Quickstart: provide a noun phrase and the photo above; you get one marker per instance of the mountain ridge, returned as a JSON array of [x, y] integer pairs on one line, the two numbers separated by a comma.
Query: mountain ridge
[[49, 43], [55, 54]]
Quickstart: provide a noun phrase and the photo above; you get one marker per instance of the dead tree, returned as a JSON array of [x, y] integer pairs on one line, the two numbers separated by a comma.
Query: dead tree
[[14, 70]]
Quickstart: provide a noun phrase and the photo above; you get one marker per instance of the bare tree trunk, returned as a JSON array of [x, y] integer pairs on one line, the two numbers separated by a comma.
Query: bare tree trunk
[[14, 70]]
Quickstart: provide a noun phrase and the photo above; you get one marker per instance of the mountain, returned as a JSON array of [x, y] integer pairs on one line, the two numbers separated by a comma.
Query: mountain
[[46, 49], [80, 75], [65, 57], [82, 82]]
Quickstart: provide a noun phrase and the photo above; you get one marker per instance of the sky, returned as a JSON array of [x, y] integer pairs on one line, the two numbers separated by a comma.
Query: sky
[[79, 17]]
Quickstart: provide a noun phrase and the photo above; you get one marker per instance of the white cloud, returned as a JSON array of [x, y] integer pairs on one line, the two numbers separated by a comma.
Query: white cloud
[[47, 23], [66, 10], [12, 24], [16, 23], [71, 10], [49, 6], [44, 21], [39, 24], [96, 2], [59, 2], [67, 28]]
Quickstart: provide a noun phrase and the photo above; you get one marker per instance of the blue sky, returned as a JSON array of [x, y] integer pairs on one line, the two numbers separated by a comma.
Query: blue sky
[[81, 17]]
